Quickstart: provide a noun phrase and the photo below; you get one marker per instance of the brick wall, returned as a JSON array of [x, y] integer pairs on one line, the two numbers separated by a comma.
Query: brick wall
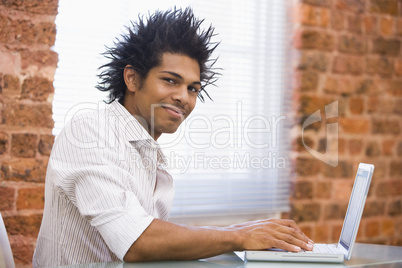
[[27, 66], [349, 51]]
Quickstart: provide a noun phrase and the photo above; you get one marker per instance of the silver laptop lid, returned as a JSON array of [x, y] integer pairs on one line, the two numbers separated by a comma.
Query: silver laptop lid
[[355, 209]]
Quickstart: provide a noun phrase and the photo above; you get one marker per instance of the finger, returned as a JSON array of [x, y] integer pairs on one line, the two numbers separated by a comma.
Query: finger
[[292, 236], [293, 224], [281, 244], [295, 241]]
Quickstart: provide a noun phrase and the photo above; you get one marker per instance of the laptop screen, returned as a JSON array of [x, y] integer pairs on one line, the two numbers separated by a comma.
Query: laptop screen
[[356, 205]]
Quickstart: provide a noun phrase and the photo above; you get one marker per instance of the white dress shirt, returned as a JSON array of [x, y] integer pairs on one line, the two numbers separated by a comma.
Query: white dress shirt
[[105, 183]]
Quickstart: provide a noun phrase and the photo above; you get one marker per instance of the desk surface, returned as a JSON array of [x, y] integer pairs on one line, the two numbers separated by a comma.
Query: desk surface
[[364, 255]]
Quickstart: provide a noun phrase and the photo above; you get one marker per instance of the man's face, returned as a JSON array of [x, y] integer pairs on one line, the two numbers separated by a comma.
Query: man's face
[[167, 95]]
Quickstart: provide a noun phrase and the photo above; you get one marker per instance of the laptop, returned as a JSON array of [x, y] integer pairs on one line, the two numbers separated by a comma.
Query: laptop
[[330, 253]]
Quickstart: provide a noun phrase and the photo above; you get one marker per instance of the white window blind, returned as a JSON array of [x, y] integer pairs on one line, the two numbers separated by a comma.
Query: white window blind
[[229, 157]]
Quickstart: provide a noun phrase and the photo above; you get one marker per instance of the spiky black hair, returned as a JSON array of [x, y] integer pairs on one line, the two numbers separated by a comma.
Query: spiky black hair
[[174, 31]]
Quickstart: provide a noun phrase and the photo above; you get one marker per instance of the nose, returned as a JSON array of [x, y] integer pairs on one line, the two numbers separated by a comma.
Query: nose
[[181, 95]]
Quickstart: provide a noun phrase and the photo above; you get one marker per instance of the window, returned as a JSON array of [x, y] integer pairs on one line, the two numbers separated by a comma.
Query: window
[[229, 158]]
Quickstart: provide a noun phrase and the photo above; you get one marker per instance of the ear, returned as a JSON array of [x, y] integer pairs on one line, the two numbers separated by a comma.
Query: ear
[[130, 78]]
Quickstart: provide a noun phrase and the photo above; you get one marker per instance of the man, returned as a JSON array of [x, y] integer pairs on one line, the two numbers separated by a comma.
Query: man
[[107, 194]]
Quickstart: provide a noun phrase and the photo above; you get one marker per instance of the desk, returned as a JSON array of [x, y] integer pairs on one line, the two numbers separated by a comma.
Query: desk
[[364, 255]]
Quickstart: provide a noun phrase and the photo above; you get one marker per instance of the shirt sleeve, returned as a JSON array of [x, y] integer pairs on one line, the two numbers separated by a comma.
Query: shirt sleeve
[[90, 172]]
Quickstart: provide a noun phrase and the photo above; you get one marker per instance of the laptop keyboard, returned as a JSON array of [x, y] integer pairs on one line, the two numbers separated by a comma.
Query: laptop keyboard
[[323, 248]]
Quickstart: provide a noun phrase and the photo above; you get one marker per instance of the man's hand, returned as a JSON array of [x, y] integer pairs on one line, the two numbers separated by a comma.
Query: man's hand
[[168, 241], [264, 234]]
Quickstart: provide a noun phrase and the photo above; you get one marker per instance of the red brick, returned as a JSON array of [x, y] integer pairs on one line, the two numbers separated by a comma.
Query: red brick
[[7, 198], [355, 146], [314, 16], [355, 24], [23, 225], [354, 126], [324, 190], [310, 104], [338, 20], [381, 173], [395, 208], [321, 233], [4, 143], [353, 44], [373, 209], [373, 149], [313, 60], [307, 228], [23, 248], [372, 228], [307, 81], [340, 85], [390, 188], [24, 145], [372, 65], [370, 24], [322, 3], [356, 105], [302, 190], [389, 47], [48, 7], [389, 7], [398, 67], [388, 227], [23, 115], [336, 231], [388, 147], [46, 33], [307, 166], [25, 32], [385, 126], [396, 170], [386, 106], [386, 26], [341, 189], [313, 39], [40, 59], [373, 104], [399, 149], [349, 65], [299, 143], [385, 67], [399, 26], [342, 170], [305, 212], [356, 6], [398, 107], [395, 88], [341, 145], [28, 170], [370, 86], [31, 198], [11, 86], [46, 144], [37, 88], [335, 211]]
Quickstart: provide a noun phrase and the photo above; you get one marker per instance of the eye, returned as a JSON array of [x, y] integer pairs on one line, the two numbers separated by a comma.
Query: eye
[[193, 89], [169, 80]]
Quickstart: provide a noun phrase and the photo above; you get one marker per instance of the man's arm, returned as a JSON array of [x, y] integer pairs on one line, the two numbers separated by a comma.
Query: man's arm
[[168, 241]]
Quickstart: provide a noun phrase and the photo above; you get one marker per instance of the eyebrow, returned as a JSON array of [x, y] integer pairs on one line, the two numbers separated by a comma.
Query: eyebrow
[[180, 77]]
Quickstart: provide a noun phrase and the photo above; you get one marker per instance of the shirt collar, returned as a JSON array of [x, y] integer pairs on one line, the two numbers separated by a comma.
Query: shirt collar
[[133, 130]]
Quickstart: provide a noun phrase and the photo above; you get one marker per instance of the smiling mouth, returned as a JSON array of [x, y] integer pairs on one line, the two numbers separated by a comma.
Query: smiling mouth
[[174, 110]]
